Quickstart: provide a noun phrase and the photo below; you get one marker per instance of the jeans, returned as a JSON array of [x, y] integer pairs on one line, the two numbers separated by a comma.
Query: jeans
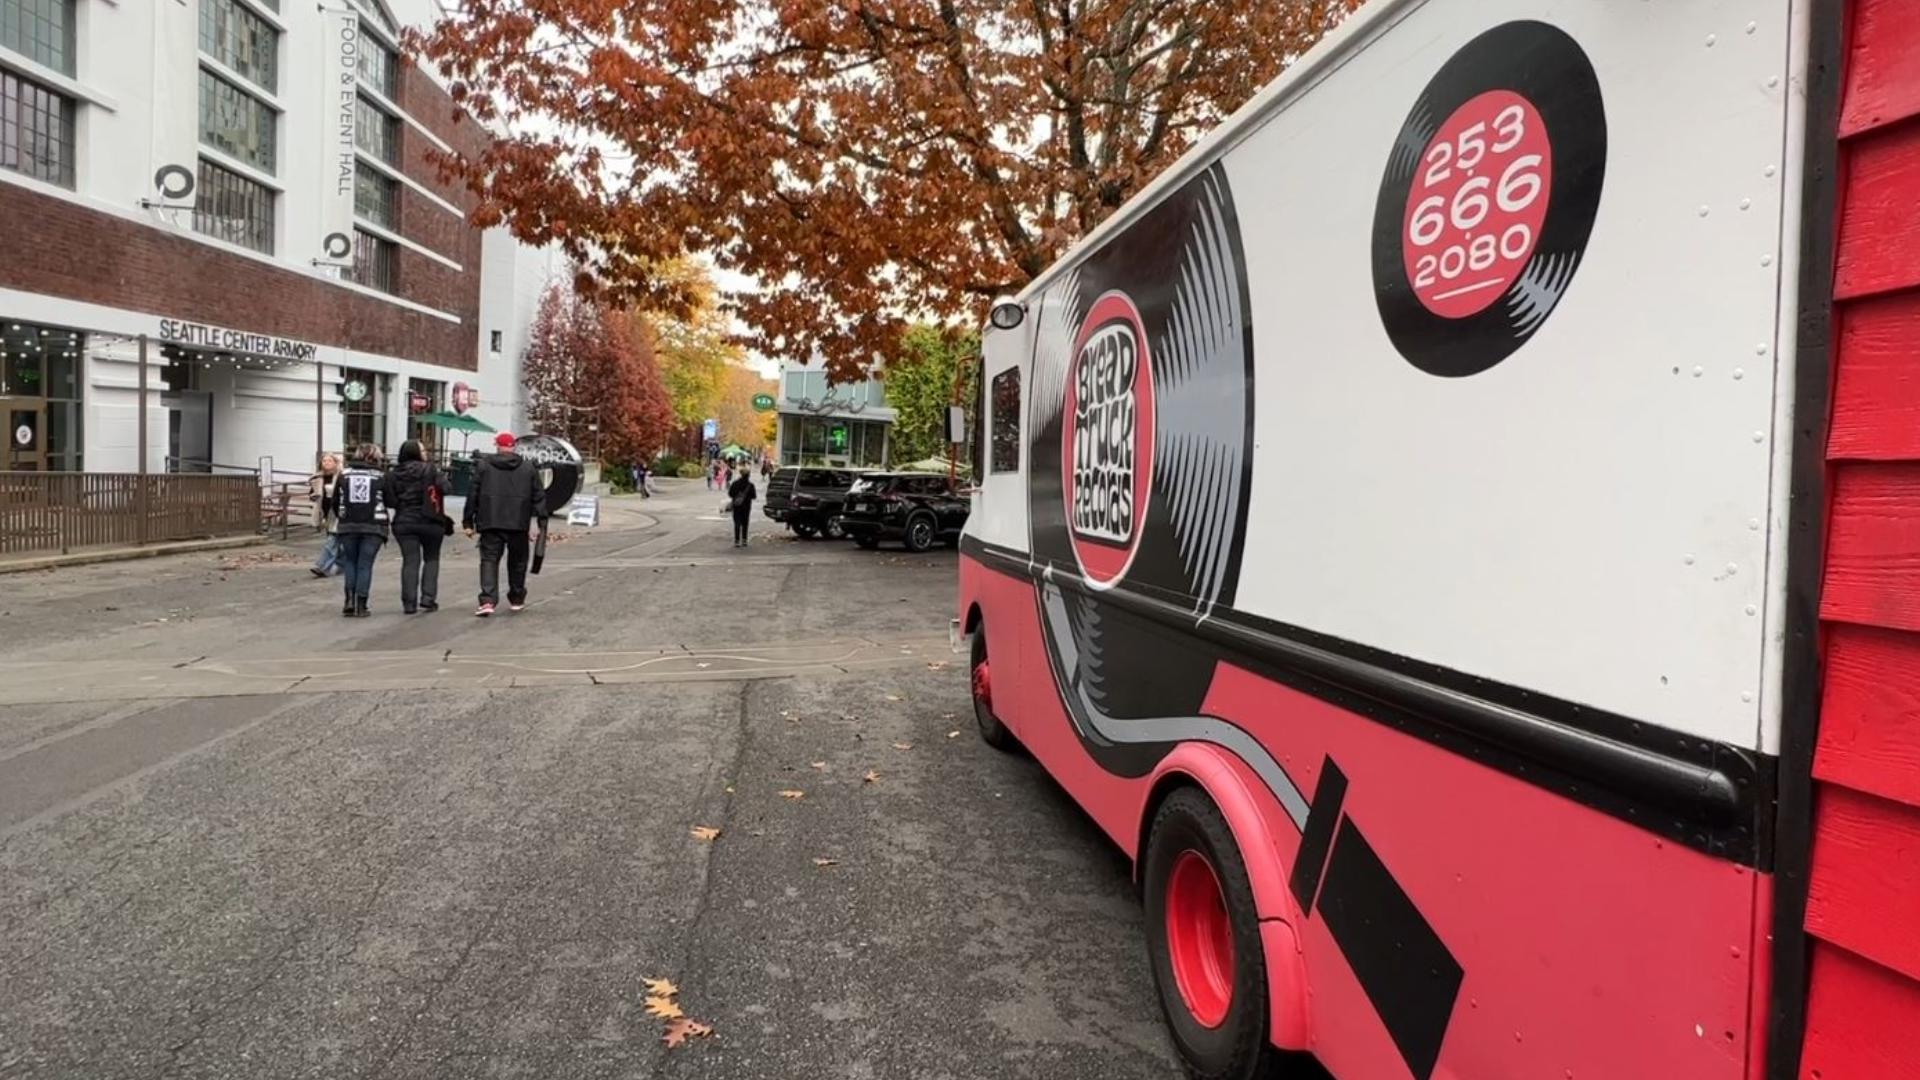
[[357, 552], [329, 561], [419, 565], [513, 542], [740, 523]]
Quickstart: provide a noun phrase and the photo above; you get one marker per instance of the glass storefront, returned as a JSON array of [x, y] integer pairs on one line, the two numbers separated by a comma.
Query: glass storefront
[[425, 396], [842, 441], [40, 397]]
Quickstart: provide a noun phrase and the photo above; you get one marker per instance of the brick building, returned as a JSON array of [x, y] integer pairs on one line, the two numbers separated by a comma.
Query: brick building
[[249, 184]]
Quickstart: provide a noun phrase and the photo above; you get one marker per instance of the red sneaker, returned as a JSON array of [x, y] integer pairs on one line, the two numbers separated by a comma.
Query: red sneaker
[[485, 609]]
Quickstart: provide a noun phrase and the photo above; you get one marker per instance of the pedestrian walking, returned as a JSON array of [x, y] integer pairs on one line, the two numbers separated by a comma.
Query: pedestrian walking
[[740, 496], [642, 480], [360, 506], [320, 493], [506, 497], [417, 493]]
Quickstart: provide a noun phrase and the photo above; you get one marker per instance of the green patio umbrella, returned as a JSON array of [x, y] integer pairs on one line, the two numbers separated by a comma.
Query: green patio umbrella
[[453, 421]]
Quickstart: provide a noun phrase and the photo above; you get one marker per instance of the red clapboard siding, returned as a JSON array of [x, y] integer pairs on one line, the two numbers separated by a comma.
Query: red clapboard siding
[[1873, 546], [1863, 1021], [1876, 391], [1880, 217], [1883, 72], [1864, 893], [1870, 715]]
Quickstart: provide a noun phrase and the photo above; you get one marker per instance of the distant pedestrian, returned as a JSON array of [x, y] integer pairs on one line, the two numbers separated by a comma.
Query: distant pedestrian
[[417, 494], [506, 497], [320, 493], [359, 504], [740, 496], [642, 480]]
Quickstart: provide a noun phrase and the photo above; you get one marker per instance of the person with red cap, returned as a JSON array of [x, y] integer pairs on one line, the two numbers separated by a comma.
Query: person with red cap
[[506, 497]]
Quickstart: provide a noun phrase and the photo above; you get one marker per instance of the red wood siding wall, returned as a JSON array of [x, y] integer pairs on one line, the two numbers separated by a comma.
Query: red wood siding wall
[[1863, 903]]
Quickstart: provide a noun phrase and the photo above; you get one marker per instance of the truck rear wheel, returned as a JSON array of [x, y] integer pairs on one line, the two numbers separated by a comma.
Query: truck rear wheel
[[980, 680], [1203, 939]]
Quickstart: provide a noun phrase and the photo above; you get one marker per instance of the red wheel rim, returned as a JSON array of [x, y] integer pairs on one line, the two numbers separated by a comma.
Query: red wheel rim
[[1200, 939]]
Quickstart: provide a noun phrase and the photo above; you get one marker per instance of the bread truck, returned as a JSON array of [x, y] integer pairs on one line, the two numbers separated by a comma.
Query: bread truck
[[1458, 531]]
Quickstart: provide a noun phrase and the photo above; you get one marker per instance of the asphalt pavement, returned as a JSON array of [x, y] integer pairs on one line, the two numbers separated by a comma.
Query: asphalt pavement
[[241, 836]]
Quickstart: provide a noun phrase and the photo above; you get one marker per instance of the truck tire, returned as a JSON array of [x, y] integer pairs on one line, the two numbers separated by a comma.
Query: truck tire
[[832, 529], [980, 682], [1203, 941], [921, 533], [802, 529]]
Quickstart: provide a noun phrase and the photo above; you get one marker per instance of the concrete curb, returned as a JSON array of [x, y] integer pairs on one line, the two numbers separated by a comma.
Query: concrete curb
[[107, 555]]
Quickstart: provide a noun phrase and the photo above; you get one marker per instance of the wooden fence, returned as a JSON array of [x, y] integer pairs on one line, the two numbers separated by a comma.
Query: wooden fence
[[59, 512]]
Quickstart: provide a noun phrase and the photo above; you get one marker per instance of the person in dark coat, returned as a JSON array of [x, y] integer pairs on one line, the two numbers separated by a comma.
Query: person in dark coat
[[358, 504], [416, 494], [740, 496], [506, 497]]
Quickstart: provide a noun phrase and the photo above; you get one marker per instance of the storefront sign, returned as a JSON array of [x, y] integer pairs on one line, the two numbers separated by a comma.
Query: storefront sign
[[710, 429], [585, 510], [465, 398], [219, 338], [559, 464], [23, 436], [763, 403], [337, 134]]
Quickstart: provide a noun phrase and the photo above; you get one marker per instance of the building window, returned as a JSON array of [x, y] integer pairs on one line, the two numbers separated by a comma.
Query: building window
[[376, 132], [494, 340], [425, 396], [379, 66], [36, 131], [373, 260], [373, 194], [40, 30], [40, 370], [241, 40], [366, 419], [235, 122], [233, 208], [1006, 421]]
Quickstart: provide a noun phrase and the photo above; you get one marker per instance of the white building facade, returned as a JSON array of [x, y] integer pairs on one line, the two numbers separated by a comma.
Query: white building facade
[[847, 425], [250, 185]]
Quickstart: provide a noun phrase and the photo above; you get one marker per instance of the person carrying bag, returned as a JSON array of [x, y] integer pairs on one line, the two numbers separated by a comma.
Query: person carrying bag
[[417, 494]]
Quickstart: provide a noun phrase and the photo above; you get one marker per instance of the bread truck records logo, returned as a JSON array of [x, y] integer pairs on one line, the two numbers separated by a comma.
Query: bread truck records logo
[[1106, 474], [1489, 198]]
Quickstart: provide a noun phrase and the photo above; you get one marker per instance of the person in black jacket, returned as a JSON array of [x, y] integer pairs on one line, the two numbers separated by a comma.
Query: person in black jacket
[[740, 496], [416, 494], [359, 504], [506, 497]]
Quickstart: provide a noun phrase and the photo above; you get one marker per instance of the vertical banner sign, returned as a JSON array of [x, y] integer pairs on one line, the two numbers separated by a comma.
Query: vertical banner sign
[[336, 192]]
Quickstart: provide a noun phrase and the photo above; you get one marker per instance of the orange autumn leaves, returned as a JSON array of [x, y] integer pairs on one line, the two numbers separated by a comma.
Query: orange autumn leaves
[[663, 1003], [869, 160]]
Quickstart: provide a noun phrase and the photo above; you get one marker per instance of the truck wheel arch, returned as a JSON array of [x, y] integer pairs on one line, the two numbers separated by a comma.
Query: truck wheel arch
[[1207, 768]]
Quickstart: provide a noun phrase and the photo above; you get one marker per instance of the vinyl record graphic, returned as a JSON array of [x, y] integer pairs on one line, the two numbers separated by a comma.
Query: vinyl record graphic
[[1489, 198]]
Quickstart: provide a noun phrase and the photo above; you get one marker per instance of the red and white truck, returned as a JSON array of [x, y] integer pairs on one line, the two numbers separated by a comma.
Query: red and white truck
[[1459, 531]]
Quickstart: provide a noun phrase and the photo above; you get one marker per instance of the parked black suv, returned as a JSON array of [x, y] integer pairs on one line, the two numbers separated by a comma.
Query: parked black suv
[[808, 500], [917, 508]]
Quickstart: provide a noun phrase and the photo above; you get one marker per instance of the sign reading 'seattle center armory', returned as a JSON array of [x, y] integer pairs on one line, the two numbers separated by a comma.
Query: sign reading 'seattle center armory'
[[202, 336]]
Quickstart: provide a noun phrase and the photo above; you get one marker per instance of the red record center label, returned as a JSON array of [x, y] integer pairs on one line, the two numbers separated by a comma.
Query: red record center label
[[1107, 445], [1477, 204]]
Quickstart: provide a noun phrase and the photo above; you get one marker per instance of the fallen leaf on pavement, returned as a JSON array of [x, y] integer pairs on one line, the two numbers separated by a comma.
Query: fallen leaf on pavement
[[792, 793], [660, 987], [893, 697], [826, 862], [903, 746], [681, 1029], [818, 764], [872, 776], [936, 665], [663, 1007], [704, 832], [953, 734]]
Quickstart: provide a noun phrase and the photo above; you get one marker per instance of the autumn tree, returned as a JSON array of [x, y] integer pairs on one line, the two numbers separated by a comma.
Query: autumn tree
[[695, 344], [869, 161], [590, 363], [931, 365], [739, 422]]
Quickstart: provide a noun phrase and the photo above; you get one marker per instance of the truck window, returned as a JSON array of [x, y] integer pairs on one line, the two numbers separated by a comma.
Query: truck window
[[1006, 421]]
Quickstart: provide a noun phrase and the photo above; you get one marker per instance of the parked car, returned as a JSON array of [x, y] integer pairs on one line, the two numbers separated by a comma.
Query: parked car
[[918, 509], [808, 500]]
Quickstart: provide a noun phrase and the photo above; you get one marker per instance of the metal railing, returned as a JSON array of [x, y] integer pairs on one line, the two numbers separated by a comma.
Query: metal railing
[[49, 512]]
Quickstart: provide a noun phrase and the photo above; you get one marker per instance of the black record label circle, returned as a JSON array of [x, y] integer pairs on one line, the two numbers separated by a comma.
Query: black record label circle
[[1489, 198]]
